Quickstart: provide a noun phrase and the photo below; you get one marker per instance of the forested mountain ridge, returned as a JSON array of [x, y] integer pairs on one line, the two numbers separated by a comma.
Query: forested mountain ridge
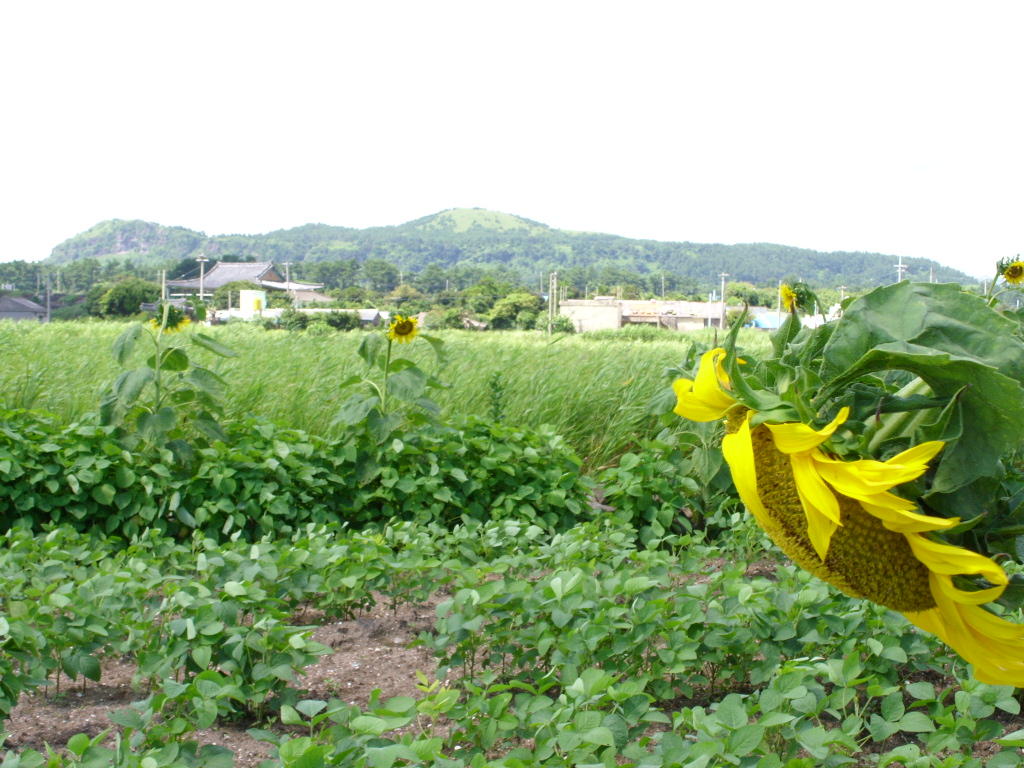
[[465, 237]]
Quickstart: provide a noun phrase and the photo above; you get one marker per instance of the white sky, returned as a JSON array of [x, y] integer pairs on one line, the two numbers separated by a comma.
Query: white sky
[[876, 126]]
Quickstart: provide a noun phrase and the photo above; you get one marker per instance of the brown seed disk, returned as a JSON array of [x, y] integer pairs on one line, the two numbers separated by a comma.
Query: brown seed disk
[[865, 559]]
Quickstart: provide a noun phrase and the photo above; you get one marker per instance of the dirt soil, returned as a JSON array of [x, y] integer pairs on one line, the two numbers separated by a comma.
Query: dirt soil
[[370, 652]]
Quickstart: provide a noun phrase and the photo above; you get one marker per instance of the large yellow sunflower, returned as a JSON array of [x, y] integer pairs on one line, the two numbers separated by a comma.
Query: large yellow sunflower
[[1014, 272], [403, 329], [840, 521]]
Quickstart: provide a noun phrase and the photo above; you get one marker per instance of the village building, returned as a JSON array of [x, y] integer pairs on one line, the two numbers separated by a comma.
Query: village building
[[610, 313], [262, 273], [17, 308]]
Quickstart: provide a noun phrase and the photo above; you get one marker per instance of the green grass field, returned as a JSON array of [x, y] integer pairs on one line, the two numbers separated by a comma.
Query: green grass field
[[592, 389]]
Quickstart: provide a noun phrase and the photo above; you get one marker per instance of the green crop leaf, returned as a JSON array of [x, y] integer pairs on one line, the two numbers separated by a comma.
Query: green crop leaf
[[213, 346], [371, 347], [407, 384], [125, 343], [173, 359]]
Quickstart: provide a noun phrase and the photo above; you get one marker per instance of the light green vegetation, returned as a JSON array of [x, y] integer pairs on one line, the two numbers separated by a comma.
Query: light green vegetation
[[593, 391], [567, 649]]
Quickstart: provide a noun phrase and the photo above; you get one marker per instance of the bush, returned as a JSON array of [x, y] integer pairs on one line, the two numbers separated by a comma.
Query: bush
[[343, 321], [269, 479]]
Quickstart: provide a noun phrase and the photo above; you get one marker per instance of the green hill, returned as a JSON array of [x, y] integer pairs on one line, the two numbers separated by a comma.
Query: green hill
[[474, 237]]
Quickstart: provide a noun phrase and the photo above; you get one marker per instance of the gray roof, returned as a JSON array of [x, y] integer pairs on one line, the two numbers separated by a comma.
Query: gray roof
[[224, 272], [18, 304], [262, 273]]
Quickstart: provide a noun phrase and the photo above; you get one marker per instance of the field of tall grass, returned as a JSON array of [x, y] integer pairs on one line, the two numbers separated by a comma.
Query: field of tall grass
[[593, 389]]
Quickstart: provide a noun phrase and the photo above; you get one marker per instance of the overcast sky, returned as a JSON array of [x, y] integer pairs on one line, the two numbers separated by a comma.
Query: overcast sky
[[864, 126]]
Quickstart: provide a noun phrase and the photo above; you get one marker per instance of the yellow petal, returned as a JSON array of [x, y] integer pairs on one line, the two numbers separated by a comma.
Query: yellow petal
[[705, 398], [950, 560], [692, 407], [897, 518], [796, 437], [738, 449], [865, 477], [712, 381], [821, 508], [992, 645]]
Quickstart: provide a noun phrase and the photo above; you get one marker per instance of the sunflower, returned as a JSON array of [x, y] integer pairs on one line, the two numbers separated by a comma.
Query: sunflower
[[403, 329], [789, 298], [174, 325], [1014, 272], [840, 521]]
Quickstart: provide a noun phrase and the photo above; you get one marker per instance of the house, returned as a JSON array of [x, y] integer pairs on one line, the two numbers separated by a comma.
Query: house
[[607, 312], [262, 273], [17, 308]]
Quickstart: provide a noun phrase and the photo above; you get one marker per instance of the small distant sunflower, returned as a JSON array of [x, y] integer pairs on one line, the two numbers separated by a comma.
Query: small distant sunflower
[[839, 520], [403, 329], [788, 298], [1014, 272], [174, 324]]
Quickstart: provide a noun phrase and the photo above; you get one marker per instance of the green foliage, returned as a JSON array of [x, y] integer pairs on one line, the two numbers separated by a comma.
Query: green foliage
[[124, 298], [576, 648]]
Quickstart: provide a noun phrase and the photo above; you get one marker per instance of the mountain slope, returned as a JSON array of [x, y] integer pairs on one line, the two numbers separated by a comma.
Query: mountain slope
[[465, 237]]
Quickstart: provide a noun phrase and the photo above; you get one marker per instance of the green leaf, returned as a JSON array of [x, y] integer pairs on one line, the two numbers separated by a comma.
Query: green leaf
[[438, 346], [104, 494], [125, 343], [174, 359], [206, 381], [407, 384], [371, 347], [954, 342], [212, 346], [368, 725], [356, 408], [916, 722], [289, 716], [129, 386], [745, 739], [153, 426], [600, 736]]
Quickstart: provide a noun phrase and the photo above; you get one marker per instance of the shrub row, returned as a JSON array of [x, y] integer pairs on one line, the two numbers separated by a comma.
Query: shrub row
[[270, 479]]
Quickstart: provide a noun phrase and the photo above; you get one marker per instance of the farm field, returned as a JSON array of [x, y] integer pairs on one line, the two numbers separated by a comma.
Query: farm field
[[549, 576], [593, 393]]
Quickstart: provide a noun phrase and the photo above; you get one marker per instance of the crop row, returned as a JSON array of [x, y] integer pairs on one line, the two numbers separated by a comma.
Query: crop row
[[577, 648]]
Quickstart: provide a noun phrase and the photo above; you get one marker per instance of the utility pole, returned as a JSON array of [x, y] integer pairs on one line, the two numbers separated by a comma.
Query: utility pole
[[662, 286], [163, 285], [288, 280], [723, 276], [47, 298], [900, 269], [552, 302], [202, 273]]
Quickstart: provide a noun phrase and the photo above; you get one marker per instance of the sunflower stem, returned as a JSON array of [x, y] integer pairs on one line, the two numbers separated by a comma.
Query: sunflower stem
[[387, 372]]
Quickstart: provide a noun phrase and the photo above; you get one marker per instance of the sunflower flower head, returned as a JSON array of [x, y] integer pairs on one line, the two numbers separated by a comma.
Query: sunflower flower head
[[1014, 272], [843, 521], [403, 328], [174, 325], [789, 298]]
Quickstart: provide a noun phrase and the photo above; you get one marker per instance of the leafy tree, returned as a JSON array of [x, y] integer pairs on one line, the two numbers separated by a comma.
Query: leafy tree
[[507, 310], [124, 297], [482, 296], [433, 278], [381, 275]]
